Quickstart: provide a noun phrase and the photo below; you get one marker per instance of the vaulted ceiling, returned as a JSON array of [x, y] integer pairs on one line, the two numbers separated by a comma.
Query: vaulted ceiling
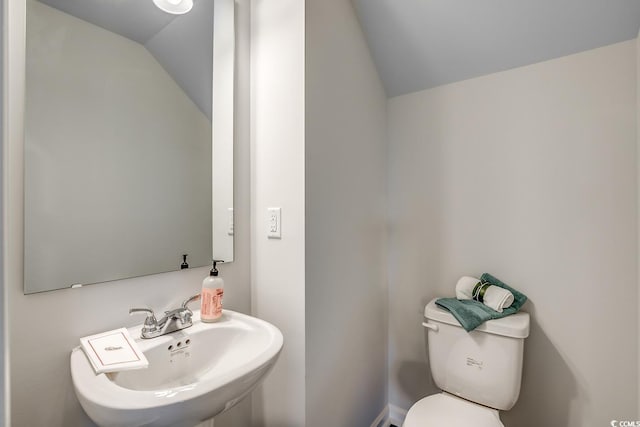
[[182, 44], [416, 44], [420, 44]]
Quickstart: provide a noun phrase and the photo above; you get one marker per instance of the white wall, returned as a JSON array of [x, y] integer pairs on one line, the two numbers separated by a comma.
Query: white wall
[[4, 380], [278, 180], [95, 99], [44, 327], [346, 277], [638, 167], [529, 174]]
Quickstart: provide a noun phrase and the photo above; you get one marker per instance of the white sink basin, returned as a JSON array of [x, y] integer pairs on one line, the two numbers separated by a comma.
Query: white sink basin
[[193, 374]]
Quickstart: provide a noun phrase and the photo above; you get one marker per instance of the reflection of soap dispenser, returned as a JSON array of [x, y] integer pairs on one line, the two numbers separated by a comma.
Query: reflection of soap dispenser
[[212, 290]]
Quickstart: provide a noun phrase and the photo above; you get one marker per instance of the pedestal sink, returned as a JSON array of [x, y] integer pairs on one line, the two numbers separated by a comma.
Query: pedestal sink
[[193, 375]]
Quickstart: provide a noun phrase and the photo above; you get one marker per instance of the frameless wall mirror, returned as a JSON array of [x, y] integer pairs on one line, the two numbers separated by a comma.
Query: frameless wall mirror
[[128, 139]]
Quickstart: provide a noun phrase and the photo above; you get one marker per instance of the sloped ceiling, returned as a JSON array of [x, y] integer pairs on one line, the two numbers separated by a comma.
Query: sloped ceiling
[[182, 44], [420, 44], [138, 20]]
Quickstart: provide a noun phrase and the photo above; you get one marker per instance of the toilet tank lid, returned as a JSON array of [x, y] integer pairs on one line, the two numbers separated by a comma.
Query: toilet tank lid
[[514, 326]]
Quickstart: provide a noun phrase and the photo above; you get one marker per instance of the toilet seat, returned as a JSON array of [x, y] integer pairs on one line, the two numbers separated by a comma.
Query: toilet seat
[[444, 409]]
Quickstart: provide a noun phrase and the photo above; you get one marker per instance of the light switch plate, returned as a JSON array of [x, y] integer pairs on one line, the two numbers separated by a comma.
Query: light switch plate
[[274, 223]]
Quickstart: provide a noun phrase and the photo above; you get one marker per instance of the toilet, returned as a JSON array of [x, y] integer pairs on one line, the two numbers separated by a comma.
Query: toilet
[[479, 372]]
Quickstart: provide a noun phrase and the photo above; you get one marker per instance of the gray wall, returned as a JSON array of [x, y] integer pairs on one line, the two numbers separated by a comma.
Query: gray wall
[[318, 115], [346, 275], [3, 347], [638, 151], [277, 180], [529, 174]]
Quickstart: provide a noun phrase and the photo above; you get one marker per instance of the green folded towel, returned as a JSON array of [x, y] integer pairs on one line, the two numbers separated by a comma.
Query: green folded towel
[[472, 314]]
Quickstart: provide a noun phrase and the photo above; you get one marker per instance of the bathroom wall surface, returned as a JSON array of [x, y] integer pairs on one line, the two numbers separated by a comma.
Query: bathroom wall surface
[[278, 180], [345, 192], [4, 414], [45, 327], [638, 167], [529, 174]]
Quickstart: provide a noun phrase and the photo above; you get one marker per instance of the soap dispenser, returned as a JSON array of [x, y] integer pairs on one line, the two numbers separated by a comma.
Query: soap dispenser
[[212, 290]]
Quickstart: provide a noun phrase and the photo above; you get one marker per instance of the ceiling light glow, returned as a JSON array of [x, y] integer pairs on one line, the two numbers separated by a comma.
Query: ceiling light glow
[[175, 7]]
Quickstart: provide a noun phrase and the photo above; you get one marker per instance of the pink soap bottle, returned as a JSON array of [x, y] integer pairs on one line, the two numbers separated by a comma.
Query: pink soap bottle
[[212, 290]]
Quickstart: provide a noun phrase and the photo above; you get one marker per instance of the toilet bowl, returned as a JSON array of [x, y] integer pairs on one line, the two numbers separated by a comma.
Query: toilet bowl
[[479, 372], [443, 409]]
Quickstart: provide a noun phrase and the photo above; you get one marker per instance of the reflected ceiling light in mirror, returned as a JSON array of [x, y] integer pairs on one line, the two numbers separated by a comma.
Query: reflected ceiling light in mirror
[[175, 7]]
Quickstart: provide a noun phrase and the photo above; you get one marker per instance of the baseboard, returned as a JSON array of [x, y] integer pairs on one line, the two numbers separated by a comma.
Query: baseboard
[[382, 419], [391, 415], [396, 415]]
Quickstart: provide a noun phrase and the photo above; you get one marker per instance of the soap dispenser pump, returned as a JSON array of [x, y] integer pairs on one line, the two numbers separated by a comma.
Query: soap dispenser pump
[[212, 291]]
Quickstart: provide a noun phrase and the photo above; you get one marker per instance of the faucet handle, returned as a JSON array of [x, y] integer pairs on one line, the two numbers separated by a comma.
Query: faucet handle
[[150, 322], [189, 300], [186, 311]]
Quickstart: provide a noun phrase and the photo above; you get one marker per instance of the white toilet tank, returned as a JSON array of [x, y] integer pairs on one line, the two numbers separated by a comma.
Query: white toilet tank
[[484, 365]]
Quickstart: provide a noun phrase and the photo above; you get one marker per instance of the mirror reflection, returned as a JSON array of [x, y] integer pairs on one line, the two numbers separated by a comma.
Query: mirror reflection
[[118, 142]]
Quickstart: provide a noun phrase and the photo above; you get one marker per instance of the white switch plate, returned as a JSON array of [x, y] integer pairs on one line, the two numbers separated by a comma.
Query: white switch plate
[[274, 223]]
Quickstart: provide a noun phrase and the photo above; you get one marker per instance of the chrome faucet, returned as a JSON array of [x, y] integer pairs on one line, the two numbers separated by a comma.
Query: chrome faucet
[[173, 320]]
